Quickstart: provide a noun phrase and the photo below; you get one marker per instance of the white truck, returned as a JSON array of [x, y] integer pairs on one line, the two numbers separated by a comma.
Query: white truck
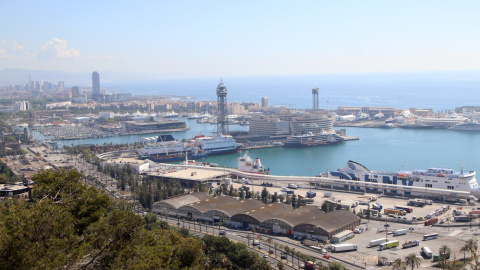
[[377, 242], [428, 253], [400, 232], [343, 247], [292, 186]]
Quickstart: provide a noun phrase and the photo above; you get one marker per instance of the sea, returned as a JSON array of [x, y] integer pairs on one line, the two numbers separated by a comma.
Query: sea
[[378, 149]]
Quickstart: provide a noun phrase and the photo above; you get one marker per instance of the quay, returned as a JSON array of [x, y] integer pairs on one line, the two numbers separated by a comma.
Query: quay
[[215, 174]]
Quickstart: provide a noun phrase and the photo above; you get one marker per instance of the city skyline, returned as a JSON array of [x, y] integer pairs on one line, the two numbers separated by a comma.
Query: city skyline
[[215, 39]]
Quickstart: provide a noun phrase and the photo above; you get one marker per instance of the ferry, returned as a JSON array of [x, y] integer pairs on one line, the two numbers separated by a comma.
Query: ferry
[[167, 149], [247, 164], [438, 178], [311, 139], [217, 145]]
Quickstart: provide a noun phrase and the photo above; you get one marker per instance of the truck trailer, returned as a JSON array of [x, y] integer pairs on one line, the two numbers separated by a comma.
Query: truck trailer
[[400, 232], [405, 208], [428, 253], [377, 242], [343, 247], [411, 243], [389, 244], [399, 212]]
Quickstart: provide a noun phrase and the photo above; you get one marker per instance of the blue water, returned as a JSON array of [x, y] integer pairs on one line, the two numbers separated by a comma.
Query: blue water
[[436, 90], [378, 149]]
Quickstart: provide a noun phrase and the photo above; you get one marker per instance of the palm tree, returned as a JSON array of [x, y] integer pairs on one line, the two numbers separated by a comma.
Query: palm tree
[[293, 252], [248, 239], [399, 264], [412, 260], [269, 241], [464, 249], [195, 224], [275, 244], [444, 252], [472, 246]]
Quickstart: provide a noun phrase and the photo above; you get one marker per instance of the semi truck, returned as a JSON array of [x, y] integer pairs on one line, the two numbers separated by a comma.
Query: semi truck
[[400, 232], [377, 242], [389, 244], [405, 208], [430, 221], [462, 218], [377, 206], [416, 202], [411, 243], [343, 247], [309, 265], [428, 253], [399, 212]]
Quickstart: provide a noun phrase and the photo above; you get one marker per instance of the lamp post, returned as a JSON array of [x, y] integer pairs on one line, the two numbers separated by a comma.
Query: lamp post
[[386, 232]]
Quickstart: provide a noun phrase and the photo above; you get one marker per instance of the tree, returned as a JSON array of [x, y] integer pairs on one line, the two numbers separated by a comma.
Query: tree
[[444, 252], [399, 264], [472, 246], [336, 266], [412, 260]]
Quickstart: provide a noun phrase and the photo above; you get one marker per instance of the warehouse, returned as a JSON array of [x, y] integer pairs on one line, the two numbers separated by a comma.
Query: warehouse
[[281, 218]]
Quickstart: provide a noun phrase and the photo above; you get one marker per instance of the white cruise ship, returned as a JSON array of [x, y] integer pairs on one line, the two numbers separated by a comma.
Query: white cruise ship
[[438, 178], [467, 126]]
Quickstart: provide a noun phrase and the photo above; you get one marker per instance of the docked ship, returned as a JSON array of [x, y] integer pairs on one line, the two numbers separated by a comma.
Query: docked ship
[[247, 164], [168, 149], [467, 126], [216, 145], [438, 178], [312, 139]]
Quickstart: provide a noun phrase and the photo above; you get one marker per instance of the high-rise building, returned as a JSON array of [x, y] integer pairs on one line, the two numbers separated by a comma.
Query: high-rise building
[[75, 92], [222, 113], [265, 102], [315, 98], [96, 94]]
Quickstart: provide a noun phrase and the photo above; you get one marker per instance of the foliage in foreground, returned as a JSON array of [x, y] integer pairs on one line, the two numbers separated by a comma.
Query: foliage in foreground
[[69, 225]]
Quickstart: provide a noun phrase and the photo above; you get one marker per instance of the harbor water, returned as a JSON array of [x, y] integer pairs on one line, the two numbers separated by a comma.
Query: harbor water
[[378, 149]]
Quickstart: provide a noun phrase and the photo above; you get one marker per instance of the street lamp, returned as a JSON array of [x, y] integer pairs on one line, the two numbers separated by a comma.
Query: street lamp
[[386, 232]]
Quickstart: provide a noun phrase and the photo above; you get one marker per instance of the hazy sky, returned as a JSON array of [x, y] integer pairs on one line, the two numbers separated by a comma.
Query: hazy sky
[[237, 38]]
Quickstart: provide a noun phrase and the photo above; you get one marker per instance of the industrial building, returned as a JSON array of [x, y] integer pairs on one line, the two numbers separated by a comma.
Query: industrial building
[[280, 218]]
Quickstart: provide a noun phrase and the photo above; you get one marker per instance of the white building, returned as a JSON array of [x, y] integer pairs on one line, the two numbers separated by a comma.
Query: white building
[[138, 166]]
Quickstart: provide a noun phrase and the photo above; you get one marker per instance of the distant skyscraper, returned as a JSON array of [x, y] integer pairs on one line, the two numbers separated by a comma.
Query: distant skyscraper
[[265, 102], [315, 98], [222, 113], [75, 91], [96, 94]]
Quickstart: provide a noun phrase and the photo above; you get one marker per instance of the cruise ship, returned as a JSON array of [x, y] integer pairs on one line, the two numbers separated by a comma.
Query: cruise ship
[[438, 178], [167, 149], [467, 126], [311, 139]]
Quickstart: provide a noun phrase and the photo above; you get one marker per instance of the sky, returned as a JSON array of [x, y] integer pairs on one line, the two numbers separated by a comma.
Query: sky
[[177, 39]]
